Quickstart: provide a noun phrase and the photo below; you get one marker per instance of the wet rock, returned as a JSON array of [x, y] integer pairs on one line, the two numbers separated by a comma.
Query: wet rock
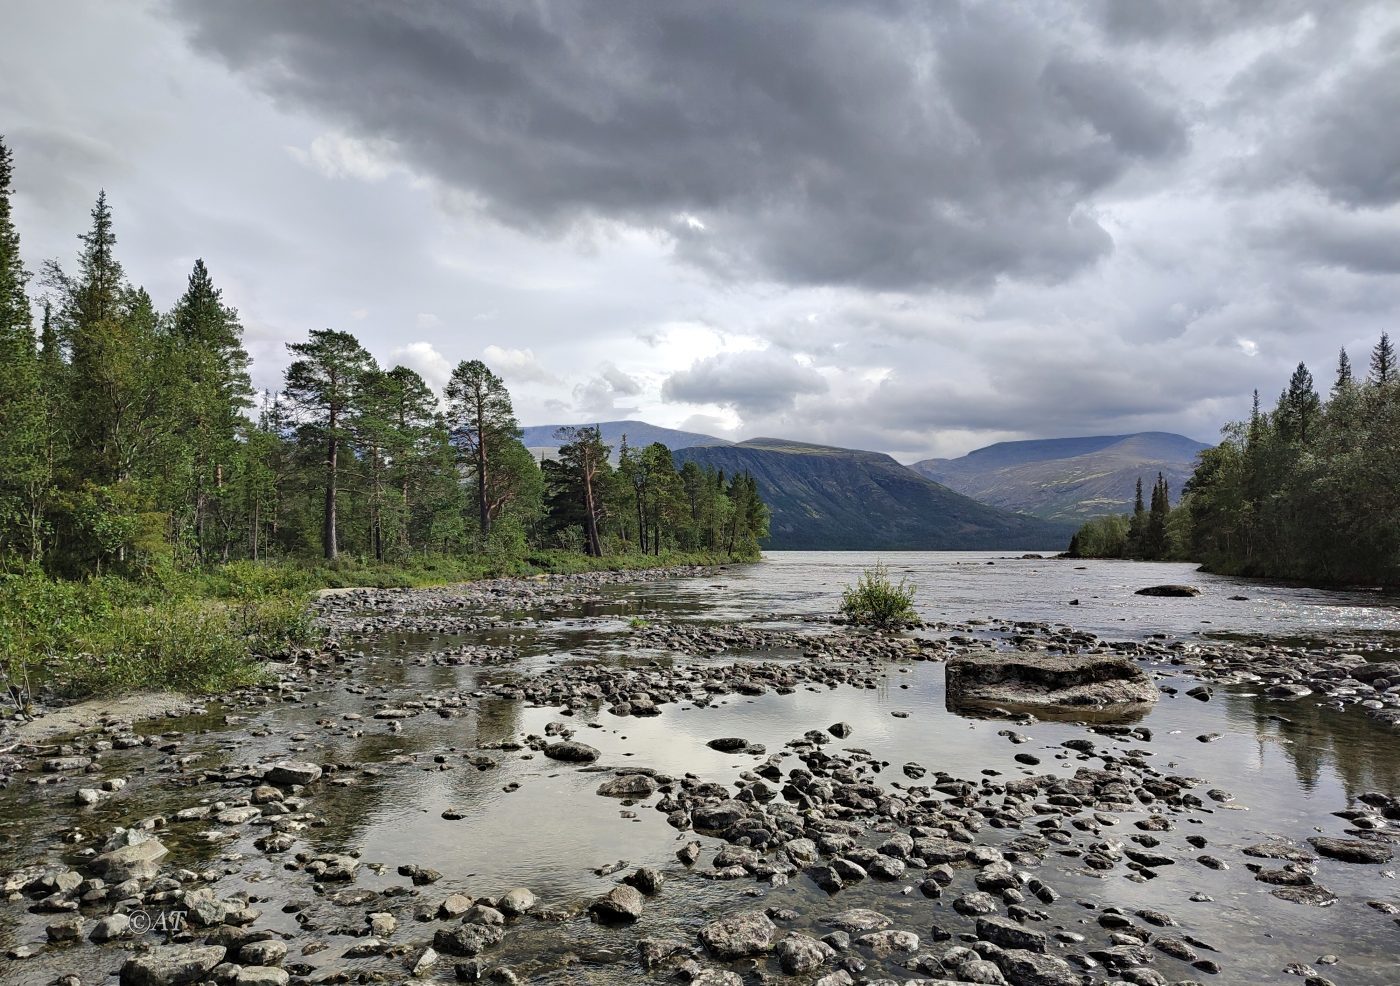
[[976, 903], [884, 944], [111, 927], [1009, 934], [1314, 895], [647, 879], [1352, 850], [171, 965], [569, 751], [289, 773], [1178, 591], [632, 786], [729, 744], [65, 929], [468, 939], [1041, 679], [270, 952], [1023, 968], [739, 936], [621, 903], [516, 902], [800, 954], [841, 730], [131, 855]]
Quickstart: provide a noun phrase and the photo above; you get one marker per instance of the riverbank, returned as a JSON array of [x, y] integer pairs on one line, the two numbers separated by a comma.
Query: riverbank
[[206, 632], [593, 780]]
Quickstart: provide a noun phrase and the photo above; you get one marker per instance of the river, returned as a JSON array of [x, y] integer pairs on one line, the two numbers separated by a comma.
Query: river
[[529, 821]]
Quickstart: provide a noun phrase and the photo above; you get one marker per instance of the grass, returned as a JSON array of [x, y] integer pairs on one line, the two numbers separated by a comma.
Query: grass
[[205, 632], [876, 601]]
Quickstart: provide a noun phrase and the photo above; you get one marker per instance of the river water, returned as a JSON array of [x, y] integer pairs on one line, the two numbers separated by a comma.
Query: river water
[[536, 823]]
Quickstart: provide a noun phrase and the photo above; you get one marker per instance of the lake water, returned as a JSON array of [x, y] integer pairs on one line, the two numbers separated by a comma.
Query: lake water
[[1289, 765]]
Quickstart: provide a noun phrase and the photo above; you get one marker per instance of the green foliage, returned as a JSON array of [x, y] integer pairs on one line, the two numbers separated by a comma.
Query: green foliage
[[877, 601]]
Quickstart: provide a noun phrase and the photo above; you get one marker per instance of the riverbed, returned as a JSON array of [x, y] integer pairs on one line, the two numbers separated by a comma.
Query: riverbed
[[433, 754]]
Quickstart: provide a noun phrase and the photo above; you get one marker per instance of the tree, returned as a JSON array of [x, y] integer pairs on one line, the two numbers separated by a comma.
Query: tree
[[583, 460], [1344, 374], [1299, 407], [322, 385], [482, 419], [23, 466], [1383, 366], [214, 393]]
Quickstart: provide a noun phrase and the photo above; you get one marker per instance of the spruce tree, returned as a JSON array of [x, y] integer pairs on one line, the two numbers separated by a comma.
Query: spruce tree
[[214, 392], [1383, 366], [23, 470], [1298, 407], [1344, 374]]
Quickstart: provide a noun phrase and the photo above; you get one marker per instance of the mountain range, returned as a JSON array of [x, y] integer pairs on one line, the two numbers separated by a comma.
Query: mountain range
[[1068, 479], [1012, 495]]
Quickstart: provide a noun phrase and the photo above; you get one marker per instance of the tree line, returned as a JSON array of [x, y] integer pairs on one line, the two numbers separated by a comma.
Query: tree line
[[1309, 490], [131, 437]]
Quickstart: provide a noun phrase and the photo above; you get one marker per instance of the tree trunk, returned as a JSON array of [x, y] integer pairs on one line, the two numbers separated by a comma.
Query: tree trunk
[[328, 527]]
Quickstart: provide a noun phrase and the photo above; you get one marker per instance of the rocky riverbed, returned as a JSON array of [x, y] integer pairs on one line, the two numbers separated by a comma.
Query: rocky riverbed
[[610, 779]]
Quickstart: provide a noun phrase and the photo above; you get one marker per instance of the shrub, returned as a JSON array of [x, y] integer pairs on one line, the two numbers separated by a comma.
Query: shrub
[[876, 601]]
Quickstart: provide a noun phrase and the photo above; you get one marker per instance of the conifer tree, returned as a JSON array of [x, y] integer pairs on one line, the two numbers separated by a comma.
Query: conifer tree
[[1383, 366], [1344, 374], [23, 470], [482, 419], [322, 386]]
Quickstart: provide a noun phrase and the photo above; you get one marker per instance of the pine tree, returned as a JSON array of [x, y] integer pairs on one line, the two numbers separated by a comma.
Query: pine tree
[[1137, 526], [1344, 374], [1383, 366], [482, 419], [584, 461], [322, 386]]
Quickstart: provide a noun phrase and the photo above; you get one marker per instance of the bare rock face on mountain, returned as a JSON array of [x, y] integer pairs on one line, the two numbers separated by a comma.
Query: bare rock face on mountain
[[1068, 681]]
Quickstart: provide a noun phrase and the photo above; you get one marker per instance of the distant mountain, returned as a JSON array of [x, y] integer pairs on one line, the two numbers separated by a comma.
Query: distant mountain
[[833, 498], [639, 435], [1068, 479]]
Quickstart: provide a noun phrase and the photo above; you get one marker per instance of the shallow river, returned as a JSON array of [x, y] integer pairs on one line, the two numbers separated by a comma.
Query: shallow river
[[1290, 766]]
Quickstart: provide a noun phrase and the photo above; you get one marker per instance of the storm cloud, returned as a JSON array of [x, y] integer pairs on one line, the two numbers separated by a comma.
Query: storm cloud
[[918, 227]]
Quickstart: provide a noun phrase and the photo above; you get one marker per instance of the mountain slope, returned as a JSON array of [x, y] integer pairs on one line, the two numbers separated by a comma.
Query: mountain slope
[[639, 435], [1068, 479], [832, 498]]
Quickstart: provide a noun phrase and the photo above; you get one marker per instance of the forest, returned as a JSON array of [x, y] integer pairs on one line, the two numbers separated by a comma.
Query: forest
[[138, 462], [1309, 490]]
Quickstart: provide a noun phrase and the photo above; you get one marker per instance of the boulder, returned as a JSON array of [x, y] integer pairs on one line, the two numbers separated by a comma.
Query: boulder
[[739, 936], [622, 903], [570, 752], [291, 772], [1069, 681], [171, 965], [1351, 850], [1169, 590], [634, 786]]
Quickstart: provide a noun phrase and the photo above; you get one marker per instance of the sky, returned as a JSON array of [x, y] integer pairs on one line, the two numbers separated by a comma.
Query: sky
[[915, 227]]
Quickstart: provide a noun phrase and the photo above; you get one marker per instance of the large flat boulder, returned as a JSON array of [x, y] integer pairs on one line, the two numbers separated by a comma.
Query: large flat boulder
[[1041, 680]]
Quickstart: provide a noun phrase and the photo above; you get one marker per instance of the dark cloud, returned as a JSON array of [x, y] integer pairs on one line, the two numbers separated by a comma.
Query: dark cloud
[[881, 144], [1350, 146], [752, 382], [1197, 20], [1364, 243]]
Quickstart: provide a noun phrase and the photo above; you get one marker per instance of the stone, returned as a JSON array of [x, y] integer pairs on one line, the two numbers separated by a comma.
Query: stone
[[569, 751], [633, 786], [1023, 968], [1009, 934], [291, 772], [884, 944], [1178, 591], [729, 744], [622, 903], [800, 954], [858, 919], [111, 927], [270, 952], [137, 859], [997, 679], [171, 965], [516, 902], [739, 936], [1351, 850]]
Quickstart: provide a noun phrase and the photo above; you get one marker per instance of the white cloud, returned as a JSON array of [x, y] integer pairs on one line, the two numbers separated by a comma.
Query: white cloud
[[517, 365], [336, 155], [431, 365]]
